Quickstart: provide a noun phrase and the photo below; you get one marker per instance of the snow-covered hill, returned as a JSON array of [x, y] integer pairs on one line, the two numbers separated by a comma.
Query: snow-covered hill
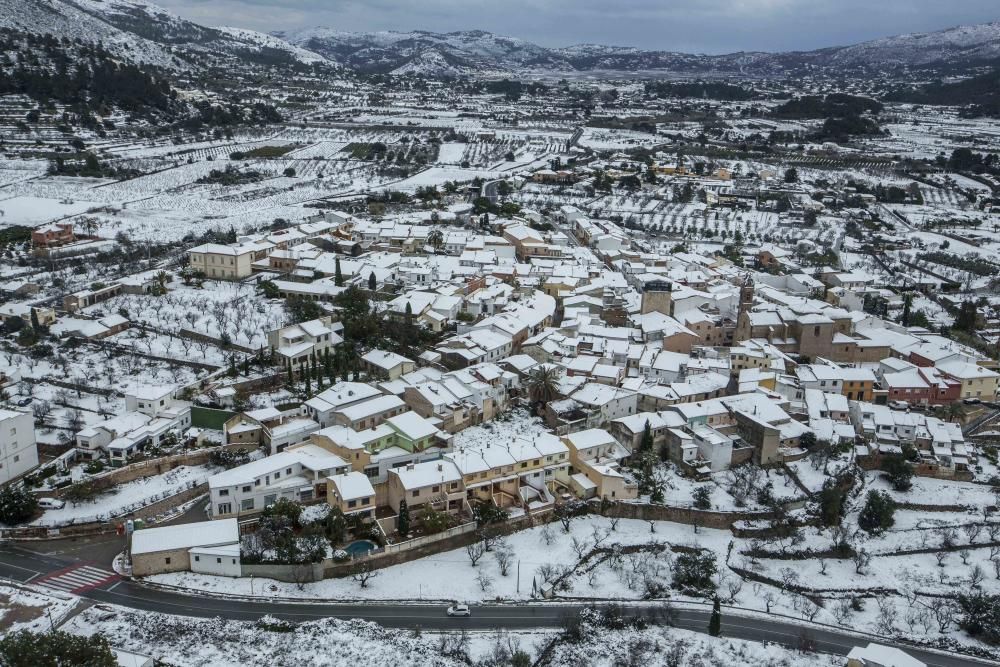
[[420, 52], [145, 33]]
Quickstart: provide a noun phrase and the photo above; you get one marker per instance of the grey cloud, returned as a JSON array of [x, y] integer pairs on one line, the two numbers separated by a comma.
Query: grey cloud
[[676, 25]]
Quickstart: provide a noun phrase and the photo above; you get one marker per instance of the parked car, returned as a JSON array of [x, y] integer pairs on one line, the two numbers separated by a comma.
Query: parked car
[[51, 503], [459, 610], [972, 401], [24, 402], [899, 405]]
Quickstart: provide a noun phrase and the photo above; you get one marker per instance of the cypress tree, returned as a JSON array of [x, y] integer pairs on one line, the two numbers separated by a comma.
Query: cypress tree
[[338, 277], [371, 281], [715, 622], [403, 522]]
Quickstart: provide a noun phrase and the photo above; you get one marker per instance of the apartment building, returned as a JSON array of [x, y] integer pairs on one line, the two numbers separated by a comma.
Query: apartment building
[[18, 451]]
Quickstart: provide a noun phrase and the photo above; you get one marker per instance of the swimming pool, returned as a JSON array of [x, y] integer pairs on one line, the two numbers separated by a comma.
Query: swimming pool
[[360, 547]]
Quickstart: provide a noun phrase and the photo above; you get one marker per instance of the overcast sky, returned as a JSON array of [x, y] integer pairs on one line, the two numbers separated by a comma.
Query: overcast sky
[[703, 26]]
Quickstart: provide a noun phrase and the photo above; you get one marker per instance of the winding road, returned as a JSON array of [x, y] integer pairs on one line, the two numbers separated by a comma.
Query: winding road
[[41, 562]]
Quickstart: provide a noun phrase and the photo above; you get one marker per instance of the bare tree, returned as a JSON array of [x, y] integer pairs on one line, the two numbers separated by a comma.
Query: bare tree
[[944, 613], [861, 559], [842, 611], [789, 578], [822, 566], [475, 550], [580, 547], [483, 580], [735, 585], [941, 557], [769, 599], [599, 535], [976, 576], [887, 615], [615, 520], [964, 554], [504, 558], [366, 572], [972, 531]]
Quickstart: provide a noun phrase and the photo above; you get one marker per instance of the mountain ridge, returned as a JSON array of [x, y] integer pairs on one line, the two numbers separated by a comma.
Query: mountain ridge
[[471, 51]]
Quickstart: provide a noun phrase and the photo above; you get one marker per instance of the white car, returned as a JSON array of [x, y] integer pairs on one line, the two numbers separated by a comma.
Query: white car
[[899, 405], [51, 503], [459, 610]]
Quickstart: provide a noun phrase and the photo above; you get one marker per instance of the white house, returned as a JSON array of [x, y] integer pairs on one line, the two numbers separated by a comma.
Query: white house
[[298, 474]]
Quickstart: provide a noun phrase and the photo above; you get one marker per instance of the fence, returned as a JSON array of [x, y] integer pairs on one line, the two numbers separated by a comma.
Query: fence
[[131, 509], [429, 539], [78, 527]]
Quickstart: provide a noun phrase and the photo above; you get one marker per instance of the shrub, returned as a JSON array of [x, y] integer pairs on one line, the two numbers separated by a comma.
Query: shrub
[[16, 505], [694, 571]]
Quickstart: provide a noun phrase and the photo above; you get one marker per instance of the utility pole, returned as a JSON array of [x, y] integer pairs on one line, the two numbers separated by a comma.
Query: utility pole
[[518, 575], [251, 585]]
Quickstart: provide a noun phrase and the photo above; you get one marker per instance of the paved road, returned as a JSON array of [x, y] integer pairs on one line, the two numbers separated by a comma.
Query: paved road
[[21, 564]]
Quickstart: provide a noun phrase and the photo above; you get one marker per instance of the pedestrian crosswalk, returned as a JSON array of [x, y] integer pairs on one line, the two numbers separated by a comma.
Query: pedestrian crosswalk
[[78, 578]]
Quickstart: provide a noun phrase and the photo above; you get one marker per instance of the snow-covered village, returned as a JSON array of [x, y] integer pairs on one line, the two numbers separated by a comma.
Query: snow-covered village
[[383, 346]]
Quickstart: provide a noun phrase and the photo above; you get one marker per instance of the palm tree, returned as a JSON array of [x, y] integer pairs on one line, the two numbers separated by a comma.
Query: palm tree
[[543, 383], [956, 412], [435, 239]]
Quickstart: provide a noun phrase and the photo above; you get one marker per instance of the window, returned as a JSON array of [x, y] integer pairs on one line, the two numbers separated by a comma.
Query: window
[[247, 504], [416, 493], [256, 482], [167, 560], [277, 475], [352, 503], [219, 561], [223, 492], [288, 471], [197, 559], [247, 488], [225, 508]]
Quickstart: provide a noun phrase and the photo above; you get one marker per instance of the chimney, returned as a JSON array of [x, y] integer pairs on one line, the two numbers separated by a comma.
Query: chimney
[[409, 466], [440, 468]]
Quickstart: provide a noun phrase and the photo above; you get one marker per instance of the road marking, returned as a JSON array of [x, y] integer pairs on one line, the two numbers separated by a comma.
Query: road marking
[[79, 578]]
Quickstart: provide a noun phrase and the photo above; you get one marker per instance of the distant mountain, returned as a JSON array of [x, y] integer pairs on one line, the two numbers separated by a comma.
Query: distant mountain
[[144, 33], [475, 52]]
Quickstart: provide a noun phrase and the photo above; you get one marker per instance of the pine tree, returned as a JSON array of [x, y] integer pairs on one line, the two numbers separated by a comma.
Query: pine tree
[[403, 521], [907, 302], [338, 277], [715, 622], [291, 377], [371, 281]]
